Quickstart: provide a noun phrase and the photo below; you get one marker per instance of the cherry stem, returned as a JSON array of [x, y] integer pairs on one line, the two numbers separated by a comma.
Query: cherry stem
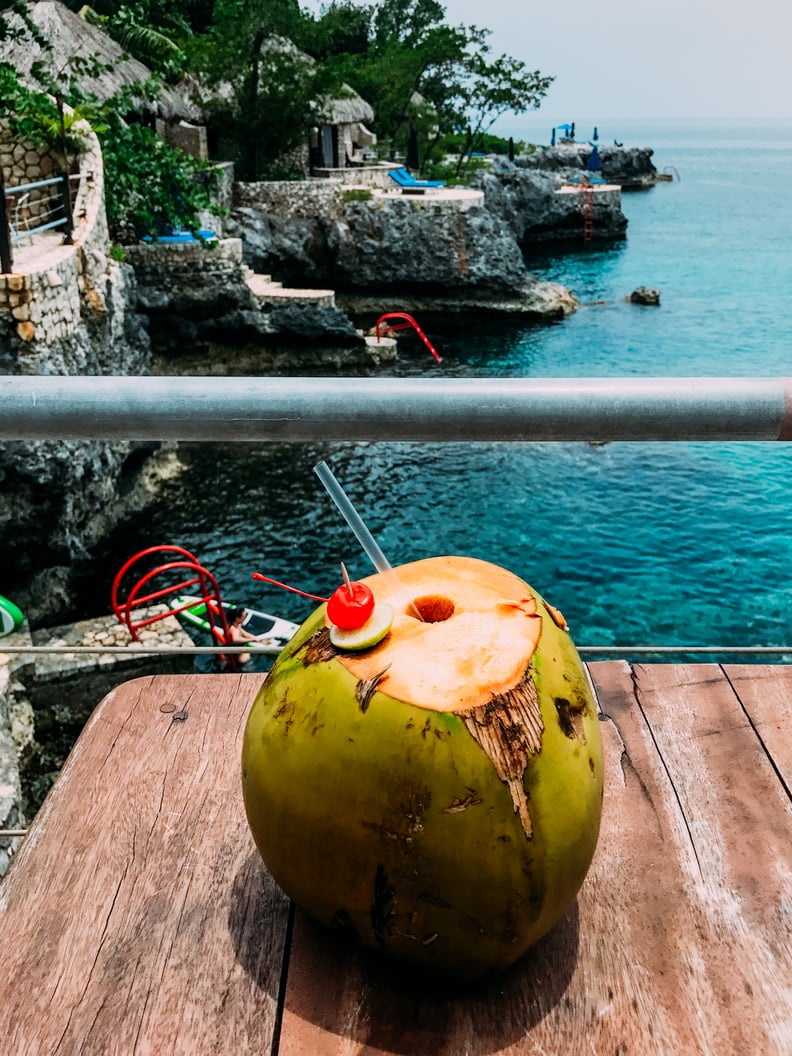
[[285, 586], [347, 582]]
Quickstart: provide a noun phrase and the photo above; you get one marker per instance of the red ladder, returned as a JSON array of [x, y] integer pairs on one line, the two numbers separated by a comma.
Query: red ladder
[[409, 322], [128, 603]]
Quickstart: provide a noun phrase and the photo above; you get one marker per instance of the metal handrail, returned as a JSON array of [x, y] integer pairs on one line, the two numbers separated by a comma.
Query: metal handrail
[[431, 408], [199, 650], [9, 236]]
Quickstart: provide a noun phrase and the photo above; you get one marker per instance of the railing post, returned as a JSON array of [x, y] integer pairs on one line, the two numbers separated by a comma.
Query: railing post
[[6, 255], [68, 240]]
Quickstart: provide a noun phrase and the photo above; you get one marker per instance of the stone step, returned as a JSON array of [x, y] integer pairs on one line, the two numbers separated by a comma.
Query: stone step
[[249, 273], [271, 293], [102, 631]]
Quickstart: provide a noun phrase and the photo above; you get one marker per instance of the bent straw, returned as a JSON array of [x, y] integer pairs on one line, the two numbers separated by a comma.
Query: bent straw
[[358, 526]]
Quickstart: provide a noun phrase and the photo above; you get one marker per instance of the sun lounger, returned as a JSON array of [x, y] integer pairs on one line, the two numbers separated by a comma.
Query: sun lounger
[[183, 236], [407, 182]]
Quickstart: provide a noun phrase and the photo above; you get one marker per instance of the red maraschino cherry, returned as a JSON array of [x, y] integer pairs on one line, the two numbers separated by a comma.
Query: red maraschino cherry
[[349, 608], [351, 605]]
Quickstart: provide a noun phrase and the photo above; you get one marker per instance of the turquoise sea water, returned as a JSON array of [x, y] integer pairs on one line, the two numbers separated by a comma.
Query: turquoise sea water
[[666, 544]]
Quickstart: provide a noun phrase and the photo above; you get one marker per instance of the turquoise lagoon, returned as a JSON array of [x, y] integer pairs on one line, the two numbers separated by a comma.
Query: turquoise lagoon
[[669, 544]]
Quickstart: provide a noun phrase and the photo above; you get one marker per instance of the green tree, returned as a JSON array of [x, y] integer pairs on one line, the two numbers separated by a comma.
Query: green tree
[[150, 187], [421, 73], [469, 94], [265, 93]]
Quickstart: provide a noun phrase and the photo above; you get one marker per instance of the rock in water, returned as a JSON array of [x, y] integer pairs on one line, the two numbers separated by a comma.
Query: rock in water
[[645, 295]]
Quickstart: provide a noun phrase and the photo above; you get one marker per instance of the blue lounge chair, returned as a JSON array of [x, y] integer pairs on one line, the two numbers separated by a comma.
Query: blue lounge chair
[[177, 235], [408, 182]]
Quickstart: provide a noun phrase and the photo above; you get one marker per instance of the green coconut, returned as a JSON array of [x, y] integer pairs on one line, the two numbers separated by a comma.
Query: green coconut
[[438, 796]]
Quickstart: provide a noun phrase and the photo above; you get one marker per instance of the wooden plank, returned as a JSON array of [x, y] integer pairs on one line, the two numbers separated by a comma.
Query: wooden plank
[[137, 917], [737, 818], [679, 941], [766, 695]]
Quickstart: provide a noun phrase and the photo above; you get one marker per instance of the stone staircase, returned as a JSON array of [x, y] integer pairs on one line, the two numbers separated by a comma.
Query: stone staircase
[[270, 294]]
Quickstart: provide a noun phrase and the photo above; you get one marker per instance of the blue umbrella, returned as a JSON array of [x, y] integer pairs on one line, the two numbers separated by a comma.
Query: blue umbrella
[[594, 160]]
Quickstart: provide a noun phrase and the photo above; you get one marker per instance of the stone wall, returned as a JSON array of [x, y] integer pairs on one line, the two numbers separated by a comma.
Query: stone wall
[[64, 310], [53, 284], [23, 161], [291, 199], [174, 265], [375, 175]]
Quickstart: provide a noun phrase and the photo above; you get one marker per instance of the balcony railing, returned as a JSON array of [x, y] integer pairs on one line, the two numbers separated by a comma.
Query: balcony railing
[[425, 409], [24, 214], [429, 409]]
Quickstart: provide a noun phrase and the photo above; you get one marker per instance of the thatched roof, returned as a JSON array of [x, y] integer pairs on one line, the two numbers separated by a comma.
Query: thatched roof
[[345, 110], [70, 37], [349, 109]]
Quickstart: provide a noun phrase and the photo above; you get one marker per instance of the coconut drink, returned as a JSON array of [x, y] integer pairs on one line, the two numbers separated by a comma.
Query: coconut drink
[[429, 782]]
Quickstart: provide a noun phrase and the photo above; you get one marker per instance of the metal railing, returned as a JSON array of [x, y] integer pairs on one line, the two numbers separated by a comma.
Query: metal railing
[[42, 212], [393, 409], [430, 408]]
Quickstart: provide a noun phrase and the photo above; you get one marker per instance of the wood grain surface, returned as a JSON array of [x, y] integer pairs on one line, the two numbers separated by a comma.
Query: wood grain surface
[[679, 942], [138, 919]]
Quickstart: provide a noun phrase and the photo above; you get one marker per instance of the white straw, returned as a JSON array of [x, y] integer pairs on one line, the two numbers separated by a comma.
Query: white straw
[[358, 526], [353, 518]]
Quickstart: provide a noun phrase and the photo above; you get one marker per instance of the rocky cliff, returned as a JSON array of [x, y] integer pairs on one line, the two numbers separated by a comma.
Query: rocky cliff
[[543, 206], [448, 250], [629, 167]]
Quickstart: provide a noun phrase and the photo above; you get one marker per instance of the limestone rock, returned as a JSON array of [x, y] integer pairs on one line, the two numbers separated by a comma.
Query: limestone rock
[[630, 167], [317, 324], [645, 295], [425, 246], [528, 202]]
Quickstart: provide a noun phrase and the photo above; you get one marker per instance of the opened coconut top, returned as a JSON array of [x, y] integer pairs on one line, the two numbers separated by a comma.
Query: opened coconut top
[[478, 632]]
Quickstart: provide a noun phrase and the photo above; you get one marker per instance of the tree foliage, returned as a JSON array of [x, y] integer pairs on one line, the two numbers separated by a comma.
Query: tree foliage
[[421, 74], [262, 94], [267, 69], [151, 188]]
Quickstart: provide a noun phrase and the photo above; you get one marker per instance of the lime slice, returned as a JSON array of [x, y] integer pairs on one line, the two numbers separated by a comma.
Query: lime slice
[[372, 631]]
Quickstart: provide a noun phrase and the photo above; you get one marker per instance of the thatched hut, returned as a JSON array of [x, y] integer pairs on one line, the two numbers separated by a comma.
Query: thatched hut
[[343, 137], [73, 41]]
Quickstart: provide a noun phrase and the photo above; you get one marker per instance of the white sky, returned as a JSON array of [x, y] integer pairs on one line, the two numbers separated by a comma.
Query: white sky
[[633, 59], [640, 60]]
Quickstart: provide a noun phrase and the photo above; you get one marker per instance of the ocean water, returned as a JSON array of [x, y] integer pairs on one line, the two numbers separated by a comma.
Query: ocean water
[[673, 544]]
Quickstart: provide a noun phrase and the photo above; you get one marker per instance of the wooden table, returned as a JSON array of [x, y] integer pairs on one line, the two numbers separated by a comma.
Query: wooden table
[[138, 919]]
